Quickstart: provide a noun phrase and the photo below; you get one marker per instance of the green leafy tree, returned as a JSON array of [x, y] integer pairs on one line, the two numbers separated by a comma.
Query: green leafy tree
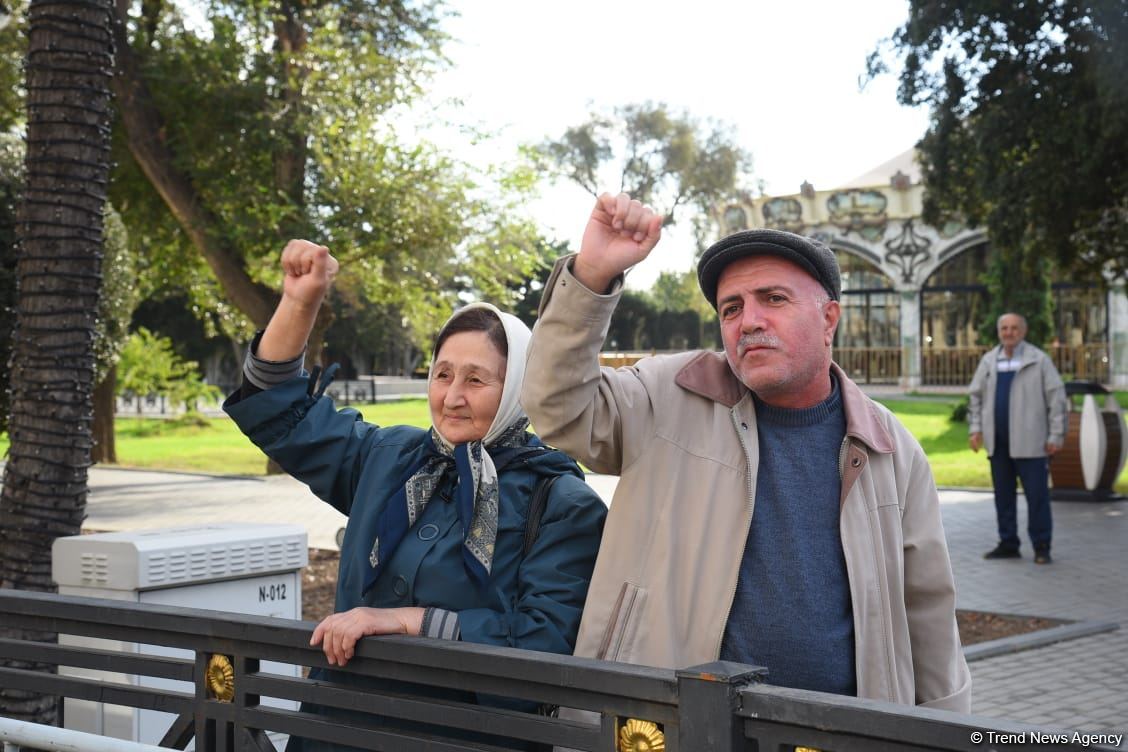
[[369, 338], [1028, 132], [120, 296], [631, 325], [685, 318], [528, 291], [668, 160], [675, 291], [272, 121], [150, 366], [1034, 300], [13, 47]]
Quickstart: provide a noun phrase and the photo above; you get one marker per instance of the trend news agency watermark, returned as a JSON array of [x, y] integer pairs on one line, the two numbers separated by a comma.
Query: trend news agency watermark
[[1044, 737]]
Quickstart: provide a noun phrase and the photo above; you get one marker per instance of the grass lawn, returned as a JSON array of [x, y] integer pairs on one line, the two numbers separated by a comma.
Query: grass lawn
[[215, 445], [945, 444]]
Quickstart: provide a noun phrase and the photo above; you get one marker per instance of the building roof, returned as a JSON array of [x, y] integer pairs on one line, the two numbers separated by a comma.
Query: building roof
[[905, 162]]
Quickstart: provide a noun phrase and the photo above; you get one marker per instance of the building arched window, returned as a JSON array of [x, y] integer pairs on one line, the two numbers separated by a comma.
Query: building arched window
[[953, 301], [867, 343], [871, 311], [1079, 344], [1080, 314], [736, 219]]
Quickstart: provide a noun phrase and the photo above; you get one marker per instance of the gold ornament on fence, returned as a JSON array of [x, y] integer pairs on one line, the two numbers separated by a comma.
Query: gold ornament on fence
[[220, 678], [641, 736]]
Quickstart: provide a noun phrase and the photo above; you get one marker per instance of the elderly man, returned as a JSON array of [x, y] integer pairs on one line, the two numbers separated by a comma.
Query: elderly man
[[1017, 409], [840, 579]]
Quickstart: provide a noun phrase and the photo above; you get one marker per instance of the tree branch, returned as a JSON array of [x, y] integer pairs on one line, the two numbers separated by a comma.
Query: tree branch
[[143, 131]]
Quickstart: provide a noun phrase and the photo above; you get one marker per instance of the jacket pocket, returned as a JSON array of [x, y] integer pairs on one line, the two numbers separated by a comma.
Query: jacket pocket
[[622, 626]]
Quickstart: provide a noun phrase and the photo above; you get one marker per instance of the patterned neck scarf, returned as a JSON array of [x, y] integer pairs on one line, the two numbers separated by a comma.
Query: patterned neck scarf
[[476, 464]]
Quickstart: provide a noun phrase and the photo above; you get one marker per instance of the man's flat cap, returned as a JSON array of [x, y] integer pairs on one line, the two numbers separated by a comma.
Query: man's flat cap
[[814, 257]]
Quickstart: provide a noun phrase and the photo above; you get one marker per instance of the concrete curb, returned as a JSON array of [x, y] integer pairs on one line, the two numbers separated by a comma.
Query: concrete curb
[[1041, 638]]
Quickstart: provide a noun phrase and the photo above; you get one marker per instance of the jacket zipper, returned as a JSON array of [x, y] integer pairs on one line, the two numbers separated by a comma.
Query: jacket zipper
[[736, 423]]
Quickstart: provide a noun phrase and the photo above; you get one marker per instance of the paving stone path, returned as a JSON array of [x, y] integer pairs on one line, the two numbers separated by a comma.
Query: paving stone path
[[1078, 684]]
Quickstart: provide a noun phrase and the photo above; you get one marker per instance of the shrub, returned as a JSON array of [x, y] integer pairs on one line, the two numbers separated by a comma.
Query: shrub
[[149, 365], [959, 412]]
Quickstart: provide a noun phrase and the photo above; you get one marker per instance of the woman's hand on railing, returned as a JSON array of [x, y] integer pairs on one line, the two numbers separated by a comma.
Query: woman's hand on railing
[[339, 633]]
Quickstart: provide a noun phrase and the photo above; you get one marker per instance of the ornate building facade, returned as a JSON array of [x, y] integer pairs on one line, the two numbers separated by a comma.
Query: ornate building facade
[[912, 299]]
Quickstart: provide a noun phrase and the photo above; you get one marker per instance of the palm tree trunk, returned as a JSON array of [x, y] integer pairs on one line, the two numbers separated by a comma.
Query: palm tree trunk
[[58, 273]]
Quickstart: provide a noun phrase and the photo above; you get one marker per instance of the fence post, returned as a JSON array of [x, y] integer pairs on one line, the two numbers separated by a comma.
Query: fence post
[[707, 701]]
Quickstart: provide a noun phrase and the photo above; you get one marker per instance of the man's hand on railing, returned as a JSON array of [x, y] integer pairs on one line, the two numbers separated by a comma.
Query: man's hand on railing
[[339, 633]]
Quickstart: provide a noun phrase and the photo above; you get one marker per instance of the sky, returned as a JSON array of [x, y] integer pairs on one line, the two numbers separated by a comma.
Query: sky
[[783, 74]]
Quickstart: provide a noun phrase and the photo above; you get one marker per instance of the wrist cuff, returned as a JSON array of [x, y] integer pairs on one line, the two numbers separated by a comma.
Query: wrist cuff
[[269, 373], [440, 624]]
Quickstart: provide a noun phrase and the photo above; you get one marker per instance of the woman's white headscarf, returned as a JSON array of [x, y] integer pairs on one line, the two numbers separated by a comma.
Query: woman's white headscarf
[[517, 336]]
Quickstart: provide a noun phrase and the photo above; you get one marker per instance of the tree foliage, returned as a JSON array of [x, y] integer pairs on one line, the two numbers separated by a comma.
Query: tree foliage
[[1029, 131], [665, 159], [150, 366], [273, 120], [120, 295], [1031, 296], [641, 324], [13, 47]]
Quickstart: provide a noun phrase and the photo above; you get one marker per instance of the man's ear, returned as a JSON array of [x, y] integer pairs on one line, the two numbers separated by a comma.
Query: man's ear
[[832, 312]]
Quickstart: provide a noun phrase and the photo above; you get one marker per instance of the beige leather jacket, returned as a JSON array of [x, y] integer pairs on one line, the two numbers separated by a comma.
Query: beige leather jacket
[[680, 431]]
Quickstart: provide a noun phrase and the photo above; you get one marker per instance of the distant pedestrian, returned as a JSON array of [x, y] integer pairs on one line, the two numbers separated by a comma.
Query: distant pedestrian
[[1017, 410]]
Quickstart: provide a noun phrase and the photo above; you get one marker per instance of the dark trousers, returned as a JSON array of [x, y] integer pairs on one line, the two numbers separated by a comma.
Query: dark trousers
[[1034, 473]]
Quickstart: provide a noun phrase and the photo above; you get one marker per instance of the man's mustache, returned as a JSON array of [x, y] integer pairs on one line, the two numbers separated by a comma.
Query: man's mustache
[[756, 339]]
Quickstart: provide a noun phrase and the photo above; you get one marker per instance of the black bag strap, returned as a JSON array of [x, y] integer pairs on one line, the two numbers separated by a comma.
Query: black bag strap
[[536, 510], [541, 492]]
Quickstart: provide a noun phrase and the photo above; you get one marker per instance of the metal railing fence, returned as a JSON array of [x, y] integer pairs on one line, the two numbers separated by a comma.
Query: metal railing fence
[[870, 365], [716, 707]]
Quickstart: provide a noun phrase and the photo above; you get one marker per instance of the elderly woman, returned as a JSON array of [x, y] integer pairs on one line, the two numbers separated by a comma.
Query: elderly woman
[[435, 543]]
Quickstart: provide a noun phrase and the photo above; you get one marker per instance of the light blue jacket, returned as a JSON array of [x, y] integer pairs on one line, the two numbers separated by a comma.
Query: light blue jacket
[[1037, 402]]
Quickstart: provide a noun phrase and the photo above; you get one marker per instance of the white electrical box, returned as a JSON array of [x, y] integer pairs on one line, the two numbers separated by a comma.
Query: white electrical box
[[243, 568]]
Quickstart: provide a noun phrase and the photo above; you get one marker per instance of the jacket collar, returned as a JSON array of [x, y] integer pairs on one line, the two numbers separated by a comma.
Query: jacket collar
[[708, 374], [1023, 353]]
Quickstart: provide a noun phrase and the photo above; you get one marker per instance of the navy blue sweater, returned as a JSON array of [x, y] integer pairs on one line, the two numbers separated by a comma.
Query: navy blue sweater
[[792, 611]]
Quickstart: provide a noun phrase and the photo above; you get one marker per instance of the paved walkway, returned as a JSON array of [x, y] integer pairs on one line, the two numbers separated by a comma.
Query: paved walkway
[[1077, 684]]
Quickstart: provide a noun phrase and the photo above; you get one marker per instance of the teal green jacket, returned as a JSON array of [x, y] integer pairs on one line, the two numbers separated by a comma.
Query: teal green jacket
[[532, 601]]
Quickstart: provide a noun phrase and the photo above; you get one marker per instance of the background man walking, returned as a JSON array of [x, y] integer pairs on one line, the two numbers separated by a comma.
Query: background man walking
[[1017, 410]]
